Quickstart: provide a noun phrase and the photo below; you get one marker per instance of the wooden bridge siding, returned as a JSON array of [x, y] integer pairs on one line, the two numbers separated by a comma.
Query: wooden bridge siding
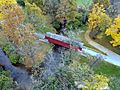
[[61, 43]]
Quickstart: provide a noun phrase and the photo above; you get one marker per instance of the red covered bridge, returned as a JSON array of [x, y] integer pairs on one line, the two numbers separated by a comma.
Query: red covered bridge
[[61, 40]]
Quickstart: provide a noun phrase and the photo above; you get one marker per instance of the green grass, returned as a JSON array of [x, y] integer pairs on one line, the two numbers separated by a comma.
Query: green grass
[[82, 37], [105, 41], [101, 67], [108, 69], [83, 59]]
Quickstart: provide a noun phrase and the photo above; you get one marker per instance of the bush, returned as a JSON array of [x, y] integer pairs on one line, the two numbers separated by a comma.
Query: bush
[[115, 83], [62, 80], [56, 25], [35, 15], [75, 23], [21, 3], [5, 81], [10, 51]]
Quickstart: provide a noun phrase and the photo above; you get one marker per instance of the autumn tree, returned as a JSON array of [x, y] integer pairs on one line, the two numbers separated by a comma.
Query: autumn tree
[[114, 32], [50, 7], [105, 3], [35, 15], [98, 19], [9, 14], [39, 3], [82, 73], [19, 34], [67, 9], [67, 73]]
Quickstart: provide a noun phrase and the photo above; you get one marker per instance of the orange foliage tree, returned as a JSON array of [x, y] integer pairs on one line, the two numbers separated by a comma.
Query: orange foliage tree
[[19, 34]]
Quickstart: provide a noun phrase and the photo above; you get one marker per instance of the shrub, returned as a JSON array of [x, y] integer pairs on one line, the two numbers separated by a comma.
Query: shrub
[[10, 51], [5, 81], [75, 23], [21, 3]]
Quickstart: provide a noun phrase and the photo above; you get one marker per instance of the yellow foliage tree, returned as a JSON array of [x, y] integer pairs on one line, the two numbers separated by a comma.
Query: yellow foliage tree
[[114, 32], [99, 82], [98, 19], [7, 2], [11, 16], [35, 15], [20, 35], [94, 16], [105, 3]]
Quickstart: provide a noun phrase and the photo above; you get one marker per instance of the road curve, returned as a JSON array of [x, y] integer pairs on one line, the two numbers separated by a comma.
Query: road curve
[[112, 57]]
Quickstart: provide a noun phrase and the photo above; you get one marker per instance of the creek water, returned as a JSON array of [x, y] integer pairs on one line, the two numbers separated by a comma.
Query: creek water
[[19, 75], [52, 62]]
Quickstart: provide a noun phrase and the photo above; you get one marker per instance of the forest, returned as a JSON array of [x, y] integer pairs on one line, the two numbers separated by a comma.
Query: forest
[[59, 44]]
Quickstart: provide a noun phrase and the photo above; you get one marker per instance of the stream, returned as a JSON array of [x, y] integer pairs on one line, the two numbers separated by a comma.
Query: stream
[[20, 76], [52, 62]]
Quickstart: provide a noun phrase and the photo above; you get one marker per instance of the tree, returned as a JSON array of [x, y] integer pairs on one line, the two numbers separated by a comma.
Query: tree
[[98, 19], [6, 82], [113, 10], [12, 17], [100, 82], [19, 34], [50, 7], [114, 32], [67, 9], [82, 73], [66, 73], [114, 83], [39, 3], [35, 15], [105, 3], [21, 2], [85, 4]]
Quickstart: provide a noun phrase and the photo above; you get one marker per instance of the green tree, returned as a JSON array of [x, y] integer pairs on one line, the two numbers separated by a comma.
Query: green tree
[[21, 2], [67, 9], [50, 7], [35, 15], [6, 82], [39, 3]]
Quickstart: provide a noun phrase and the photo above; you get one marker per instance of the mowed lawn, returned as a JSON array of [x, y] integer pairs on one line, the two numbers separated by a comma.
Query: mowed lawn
[[105, 41], [108, 69]]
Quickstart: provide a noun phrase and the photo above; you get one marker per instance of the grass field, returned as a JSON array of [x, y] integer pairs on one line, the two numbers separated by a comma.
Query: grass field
[[82, 38], [107, 69], [105, 41], [102, 67]]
